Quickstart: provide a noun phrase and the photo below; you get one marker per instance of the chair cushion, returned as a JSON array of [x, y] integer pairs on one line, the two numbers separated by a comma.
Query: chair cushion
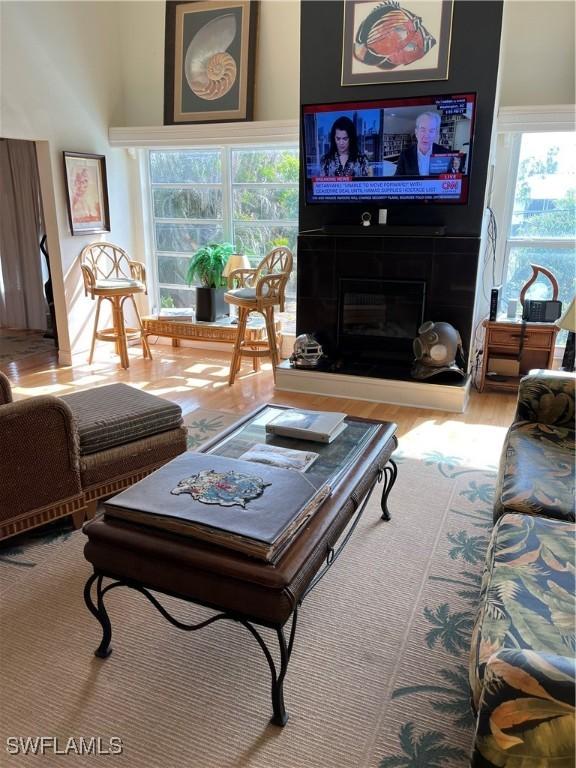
[[247, 292], [242, 293], [537, 471], [117, 414], [118, 282], [527, 593]]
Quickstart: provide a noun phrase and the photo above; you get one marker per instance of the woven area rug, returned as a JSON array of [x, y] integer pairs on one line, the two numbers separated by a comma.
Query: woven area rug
[[203, 424], [16, 346], [377, 677]]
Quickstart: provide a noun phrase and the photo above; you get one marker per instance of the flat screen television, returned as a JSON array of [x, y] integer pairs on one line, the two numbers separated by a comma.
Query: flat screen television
[[415, 150]]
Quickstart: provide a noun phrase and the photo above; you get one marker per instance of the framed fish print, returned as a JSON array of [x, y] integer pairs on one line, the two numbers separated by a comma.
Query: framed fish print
[[209, 58], [396, 41]]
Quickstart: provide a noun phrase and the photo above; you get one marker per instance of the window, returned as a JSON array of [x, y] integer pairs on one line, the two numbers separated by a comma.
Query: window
[[541, 224], [245, 195]]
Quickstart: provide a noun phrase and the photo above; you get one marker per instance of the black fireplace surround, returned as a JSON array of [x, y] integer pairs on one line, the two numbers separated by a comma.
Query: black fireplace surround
[[347, 286]]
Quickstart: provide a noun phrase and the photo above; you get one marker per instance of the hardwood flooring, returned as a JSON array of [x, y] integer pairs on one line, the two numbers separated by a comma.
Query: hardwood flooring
[[197, 378]]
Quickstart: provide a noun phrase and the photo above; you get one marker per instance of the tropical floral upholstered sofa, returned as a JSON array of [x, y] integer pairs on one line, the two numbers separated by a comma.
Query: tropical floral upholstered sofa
[[522, 667]]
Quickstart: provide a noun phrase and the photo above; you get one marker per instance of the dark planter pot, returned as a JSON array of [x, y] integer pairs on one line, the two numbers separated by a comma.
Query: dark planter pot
[[210, 304]]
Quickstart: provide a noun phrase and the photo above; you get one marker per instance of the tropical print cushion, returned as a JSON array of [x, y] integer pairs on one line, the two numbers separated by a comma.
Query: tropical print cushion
[[527, 593], [547, 397], [526, 717], [537, 471]]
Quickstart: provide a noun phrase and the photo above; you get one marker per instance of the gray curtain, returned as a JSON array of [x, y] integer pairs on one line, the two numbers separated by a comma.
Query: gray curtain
[[22, 300]]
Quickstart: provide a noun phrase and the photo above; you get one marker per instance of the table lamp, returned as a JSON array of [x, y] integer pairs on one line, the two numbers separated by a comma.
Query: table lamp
[[568, 323], [235, 261]]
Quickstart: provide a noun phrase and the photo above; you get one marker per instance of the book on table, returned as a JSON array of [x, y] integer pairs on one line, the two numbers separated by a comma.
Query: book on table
[[276, 456], [255, 509], [178, 314], [318, 426]]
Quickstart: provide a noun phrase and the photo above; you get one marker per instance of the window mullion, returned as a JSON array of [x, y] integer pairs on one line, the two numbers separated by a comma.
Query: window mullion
[[227, 194]]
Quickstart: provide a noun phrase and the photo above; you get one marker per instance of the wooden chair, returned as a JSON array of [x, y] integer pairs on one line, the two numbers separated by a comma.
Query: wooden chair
[[110, 275], [258, 290]]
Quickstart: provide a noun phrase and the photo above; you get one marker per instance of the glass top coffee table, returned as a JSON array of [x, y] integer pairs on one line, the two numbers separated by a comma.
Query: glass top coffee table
[[240, 588]]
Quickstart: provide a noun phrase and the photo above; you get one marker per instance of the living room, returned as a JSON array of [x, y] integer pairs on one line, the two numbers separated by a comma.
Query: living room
[[100, 89]]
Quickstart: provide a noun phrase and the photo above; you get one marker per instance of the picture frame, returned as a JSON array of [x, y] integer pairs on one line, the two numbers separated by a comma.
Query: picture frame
[[86, 193], [209, 56], [396, 42]]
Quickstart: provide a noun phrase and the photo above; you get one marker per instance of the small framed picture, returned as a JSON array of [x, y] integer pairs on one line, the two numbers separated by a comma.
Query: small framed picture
[[209, 55], [86, 193], [396, 41]]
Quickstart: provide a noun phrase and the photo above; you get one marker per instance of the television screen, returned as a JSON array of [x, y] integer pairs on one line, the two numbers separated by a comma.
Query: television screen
[[389, 150]]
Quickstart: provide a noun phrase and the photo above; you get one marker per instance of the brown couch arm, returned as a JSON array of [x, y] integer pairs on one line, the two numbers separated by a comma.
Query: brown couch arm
[[5, 389], [39, 459]]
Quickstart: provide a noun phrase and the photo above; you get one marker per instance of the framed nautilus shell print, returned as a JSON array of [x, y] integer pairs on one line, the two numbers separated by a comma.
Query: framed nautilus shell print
[[209, 61], [395, 41]]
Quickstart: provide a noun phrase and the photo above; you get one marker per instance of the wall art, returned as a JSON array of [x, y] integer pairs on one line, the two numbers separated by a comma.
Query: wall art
[[86, 193], [209, 61], [395, 42]]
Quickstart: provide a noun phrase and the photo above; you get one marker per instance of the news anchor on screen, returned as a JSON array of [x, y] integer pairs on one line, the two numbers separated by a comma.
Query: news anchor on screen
[[344, 158], [456, 164], [415, 160]]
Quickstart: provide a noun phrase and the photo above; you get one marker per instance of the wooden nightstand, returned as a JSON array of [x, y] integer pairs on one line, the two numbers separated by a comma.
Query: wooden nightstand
[[502, 347]]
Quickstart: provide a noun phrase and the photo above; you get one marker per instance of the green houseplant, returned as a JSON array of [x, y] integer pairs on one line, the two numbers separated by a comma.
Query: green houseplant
[[206, 267]]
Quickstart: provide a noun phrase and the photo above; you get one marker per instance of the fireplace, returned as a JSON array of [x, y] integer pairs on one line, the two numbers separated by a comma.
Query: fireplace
[[363, 295], [378, 319]]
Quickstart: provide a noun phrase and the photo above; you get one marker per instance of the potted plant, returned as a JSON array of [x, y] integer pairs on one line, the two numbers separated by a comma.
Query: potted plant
[[206, 267]]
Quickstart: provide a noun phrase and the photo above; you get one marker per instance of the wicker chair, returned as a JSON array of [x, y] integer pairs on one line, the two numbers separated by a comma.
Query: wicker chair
[[109, 275], [59, 455], [258, 290]]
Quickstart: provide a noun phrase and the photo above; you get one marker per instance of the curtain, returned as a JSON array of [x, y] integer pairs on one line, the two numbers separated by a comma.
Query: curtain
[[22, 301]]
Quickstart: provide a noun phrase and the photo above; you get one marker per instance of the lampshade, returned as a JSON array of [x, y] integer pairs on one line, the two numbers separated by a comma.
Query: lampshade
[[568, 320], [235, 261]]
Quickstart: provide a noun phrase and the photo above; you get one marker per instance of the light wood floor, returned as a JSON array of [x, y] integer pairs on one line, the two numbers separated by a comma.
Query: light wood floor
[[197, 378]]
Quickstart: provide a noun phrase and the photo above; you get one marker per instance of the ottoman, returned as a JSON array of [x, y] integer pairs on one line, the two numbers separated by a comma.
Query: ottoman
[[123, 435]]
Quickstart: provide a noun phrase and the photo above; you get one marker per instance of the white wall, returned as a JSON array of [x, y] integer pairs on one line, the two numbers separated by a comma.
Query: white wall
[[277, 68], [537, 58], [69, 71], [60, 85]]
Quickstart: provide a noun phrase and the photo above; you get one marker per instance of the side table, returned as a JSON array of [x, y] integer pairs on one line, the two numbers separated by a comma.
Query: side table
[[221, 331], [530, 345]]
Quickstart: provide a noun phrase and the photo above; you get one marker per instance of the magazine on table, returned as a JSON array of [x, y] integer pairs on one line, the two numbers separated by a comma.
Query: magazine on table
[[319, 426], [254, 509], [275, 456]]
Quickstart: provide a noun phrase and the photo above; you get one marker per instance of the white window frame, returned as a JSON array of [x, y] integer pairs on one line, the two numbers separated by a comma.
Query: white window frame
[[187, 137], [227, 185], [511, 124]]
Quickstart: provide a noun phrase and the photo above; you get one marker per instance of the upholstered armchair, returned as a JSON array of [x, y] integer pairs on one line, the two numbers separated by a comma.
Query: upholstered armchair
[[60, 455], [39, 462]]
